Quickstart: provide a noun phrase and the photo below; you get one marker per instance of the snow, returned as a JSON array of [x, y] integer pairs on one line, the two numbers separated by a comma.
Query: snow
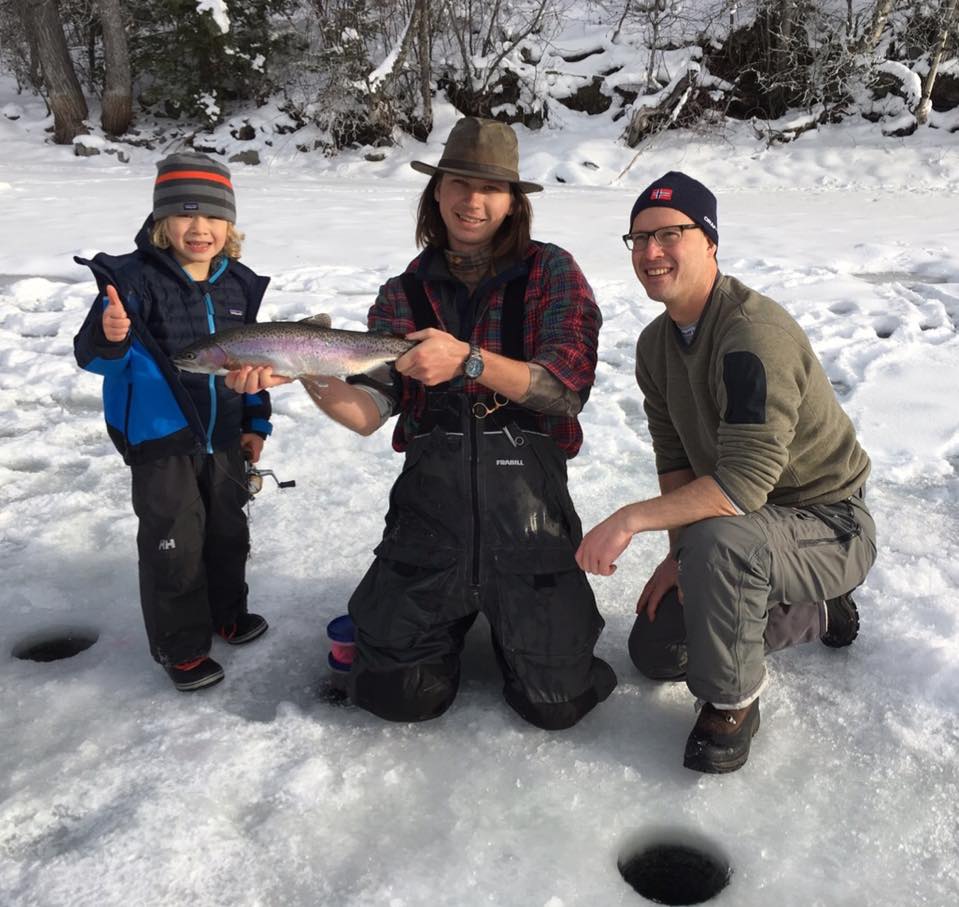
[[911, 83], [218, 10], [115, 789], [209, 104]]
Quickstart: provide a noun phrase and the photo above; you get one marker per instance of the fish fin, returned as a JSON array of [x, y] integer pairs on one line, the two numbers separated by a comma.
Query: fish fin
[[321, 321]]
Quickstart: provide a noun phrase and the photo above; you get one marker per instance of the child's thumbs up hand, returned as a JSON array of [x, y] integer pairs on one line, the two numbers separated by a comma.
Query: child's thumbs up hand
[[116, 325]]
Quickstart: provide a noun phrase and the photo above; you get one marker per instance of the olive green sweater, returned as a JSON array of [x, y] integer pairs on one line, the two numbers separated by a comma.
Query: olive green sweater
[[748, 403]]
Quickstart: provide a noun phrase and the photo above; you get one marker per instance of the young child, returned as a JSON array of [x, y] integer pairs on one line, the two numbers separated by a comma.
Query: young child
[[184, 436]]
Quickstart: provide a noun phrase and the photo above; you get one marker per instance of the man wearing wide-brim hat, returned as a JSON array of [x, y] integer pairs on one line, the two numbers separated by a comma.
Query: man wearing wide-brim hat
[[480, 519]]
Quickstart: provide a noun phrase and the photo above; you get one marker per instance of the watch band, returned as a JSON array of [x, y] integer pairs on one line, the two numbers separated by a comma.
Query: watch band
[[473, 367]]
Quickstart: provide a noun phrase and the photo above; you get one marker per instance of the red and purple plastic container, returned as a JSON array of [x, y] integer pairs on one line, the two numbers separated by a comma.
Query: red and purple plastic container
[[341, 634]]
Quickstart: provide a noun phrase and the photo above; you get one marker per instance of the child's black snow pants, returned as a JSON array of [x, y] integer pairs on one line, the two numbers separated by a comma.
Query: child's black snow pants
[[193, 544], [480, 519]]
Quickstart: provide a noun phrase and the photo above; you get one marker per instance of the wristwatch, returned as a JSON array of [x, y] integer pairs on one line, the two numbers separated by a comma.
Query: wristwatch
[[473, 367]]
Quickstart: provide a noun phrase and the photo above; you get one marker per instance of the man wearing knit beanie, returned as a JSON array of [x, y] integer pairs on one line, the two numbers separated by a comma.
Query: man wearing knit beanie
[[681, 193], [761, 477]]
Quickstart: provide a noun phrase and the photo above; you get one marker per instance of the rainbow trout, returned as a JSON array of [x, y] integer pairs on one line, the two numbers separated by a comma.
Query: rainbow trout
[[294, 349]]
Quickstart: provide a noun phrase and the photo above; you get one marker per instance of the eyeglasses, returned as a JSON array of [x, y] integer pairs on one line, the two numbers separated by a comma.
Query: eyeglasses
[[664, 236]]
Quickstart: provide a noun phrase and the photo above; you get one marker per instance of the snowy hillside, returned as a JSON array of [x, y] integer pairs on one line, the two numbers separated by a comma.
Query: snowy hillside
[[117, 790]]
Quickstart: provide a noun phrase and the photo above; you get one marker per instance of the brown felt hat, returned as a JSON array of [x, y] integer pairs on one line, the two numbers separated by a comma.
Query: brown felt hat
[[481, 149]]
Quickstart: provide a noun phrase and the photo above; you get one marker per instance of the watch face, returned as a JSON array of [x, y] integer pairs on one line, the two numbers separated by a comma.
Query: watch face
[[473, 367]]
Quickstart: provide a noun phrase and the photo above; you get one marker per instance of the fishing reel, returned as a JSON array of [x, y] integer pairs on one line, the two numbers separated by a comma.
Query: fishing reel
[[254, 479]]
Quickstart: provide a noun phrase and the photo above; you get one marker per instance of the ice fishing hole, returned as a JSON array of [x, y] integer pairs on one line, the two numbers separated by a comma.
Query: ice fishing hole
[[55, 646], [670, 866]]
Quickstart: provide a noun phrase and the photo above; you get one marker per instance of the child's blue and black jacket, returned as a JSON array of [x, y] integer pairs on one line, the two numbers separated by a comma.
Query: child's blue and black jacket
[[153, 410]]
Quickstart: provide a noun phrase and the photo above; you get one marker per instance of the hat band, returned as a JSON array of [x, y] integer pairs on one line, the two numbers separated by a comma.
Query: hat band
[[194, 175], [504, 173]]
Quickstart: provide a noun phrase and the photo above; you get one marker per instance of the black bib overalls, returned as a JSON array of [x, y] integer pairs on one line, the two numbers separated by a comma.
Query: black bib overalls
[[480, 519]]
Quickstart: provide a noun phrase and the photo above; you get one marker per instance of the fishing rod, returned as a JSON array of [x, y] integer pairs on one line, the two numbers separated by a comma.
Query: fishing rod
[[254, 479]]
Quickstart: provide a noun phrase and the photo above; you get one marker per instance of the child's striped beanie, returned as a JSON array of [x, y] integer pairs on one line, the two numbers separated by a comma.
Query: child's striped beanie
[[192, 183]]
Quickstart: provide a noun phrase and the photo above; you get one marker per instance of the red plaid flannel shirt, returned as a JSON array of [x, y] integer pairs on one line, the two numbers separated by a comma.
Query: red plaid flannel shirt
[[560, 333]]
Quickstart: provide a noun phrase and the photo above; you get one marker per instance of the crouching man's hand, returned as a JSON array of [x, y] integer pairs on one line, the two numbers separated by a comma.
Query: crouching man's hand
[[665, 576], [603, 544]]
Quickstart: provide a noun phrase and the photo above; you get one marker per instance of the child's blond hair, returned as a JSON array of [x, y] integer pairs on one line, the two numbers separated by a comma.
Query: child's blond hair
[[231, 248]]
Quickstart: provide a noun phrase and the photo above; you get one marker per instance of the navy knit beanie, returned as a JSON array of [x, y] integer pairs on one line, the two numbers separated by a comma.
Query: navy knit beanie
[[192, 183], [676, 190]]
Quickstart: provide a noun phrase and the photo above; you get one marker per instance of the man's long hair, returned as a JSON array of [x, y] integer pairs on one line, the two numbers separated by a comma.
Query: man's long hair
[[510, 241]]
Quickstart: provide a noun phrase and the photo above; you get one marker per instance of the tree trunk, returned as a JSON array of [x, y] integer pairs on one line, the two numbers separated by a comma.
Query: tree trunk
[[880, 16], [647, 120], [493, 22], [925, 102], [619, 25], [62, 88], [380, 82], [783, 61], [118, 84], [35, 71], [653, 47], [423, 59]]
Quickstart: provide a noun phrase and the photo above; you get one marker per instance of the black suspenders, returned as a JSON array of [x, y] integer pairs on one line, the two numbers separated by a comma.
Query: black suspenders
[[423, 315], [513, 311], [439, 405]]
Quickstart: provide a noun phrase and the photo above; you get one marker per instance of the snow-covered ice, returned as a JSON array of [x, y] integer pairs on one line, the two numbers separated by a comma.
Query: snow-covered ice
[[115, 789]]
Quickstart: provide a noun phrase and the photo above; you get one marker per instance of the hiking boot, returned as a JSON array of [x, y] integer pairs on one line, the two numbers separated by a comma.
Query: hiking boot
[[719, 741], [196, 674], [247, 628], [842, 622]]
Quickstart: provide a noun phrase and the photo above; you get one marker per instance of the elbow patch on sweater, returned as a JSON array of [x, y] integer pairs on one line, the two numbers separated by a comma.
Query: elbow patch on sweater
[[745, 380]]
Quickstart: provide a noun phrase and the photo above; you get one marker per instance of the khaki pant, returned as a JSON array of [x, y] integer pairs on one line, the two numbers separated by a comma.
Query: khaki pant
[[752, 584]]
